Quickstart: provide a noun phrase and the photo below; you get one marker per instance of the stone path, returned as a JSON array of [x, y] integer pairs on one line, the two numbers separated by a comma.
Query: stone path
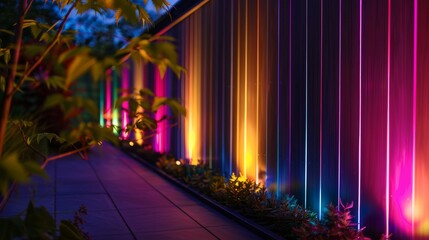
[[124, 199]]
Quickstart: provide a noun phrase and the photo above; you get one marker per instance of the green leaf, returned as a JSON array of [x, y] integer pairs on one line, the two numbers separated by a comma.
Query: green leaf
[[97, 70], [133, 105], [176, 107], [68, 231], [146, 92], [7, 32], [52, 101], [39, 222], [7, 56], [28, 23], [80, 65], [14, 168], [35, 168], [158, 102]]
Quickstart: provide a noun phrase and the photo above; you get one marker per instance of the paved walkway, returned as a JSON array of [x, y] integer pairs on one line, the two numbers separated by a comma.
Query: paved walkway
[[125, 200]]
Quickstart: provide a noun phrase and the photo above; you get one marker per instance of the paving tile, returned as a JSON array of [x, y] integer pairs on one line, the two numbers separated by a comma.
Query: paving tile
[[18, 204], [185, 234], [178, 197], [138, 200], [127, 185], [157, 219], [93, 202], [206, 216], [101, 223], [233, 232], [113, 237], [77, 188]]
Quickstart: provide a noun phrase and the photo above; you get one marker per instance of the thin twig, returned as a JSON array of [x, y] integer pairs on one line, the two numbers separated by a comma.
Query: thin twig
[[48, 49], [24, 137], [28, 7]]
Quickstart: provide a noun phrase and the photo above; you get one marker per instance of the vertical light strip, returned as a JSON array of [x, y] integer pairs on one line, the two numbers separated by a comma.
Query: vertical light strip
[[413, 196], [339, 107], [306, 108], [267, 87], [231, 80], [257, 92], [278, 102], [108, 95], [290, 93], [360, 118], [115, 117], [124, 112], [388, 118], [101, 103], [245, 153], [237, 126], [321, 110]]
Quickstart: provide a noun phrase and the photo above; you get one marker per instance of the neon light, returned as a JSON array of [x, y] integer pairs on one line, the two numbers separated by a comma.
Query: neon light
[[360, 119], [246, 154], [108, 109], [231, 106], [321, 109], [413, 196], [124, 115], [339, 108], [257, 91], [306, 107], [115, 114], [101, 104], [388, 120], [278, 103], [290, 92]]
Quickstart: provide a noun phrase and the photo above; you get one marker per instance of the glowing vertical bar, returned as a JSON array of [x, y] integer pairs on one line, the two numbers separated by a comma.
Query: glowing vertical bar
[[108, 95], [124, 114], [245, 152], [306, 106], [360, 118], [231, 80], [115, 115], [101, 103], [321, 109], [290, 92], [238, 87], [257, 91], [388, 120], [278, 102], [413, 196], [339, 108]]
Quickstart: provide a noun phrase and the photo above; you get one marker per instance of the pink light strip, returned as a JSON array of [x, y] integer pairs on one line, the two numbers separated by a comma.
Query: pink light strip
[[360, 119], [388, 119], [125, 85], [339, 108], [413, 196]]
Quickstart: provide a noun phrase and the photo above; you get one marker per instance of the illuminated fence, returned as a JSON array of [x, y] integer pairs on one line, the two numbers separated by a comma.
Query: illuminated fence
[[325, 100]]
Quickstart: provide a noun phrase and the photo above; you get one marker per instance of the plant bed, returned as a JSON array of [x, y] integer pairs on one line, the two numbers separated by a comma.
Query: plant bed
[[248, 203]]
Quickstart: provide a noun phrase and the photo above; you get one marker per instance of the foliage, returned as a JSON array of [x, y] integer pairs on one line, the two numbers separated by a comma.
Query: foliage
[[37, 54], [283, 216], [143, 104]]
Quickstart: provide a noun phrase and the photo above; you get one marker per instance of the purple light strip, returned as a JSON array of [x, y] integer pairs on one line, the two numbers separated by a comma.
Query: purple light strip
[[388, 118], [278, 102], [339, 108], [321, 109], [257, 90], [413, 196], [360, 119], [306, 107], [231, 107], [290, 92]]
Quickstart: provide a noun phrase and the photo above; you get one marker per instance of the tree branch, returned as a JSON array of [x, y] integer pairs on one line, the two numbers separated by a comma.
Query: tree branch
[[48, 49], [28, 7], [24, 137]]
